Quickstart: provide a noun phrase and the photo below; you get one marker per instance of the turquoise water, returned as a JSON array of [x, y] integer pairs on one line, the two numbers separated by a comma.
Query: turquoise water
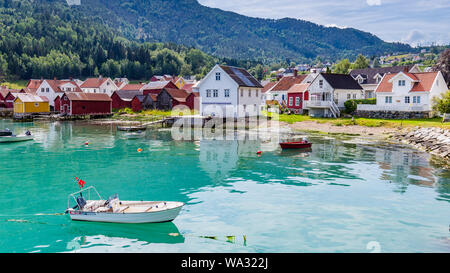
[[344, 196]]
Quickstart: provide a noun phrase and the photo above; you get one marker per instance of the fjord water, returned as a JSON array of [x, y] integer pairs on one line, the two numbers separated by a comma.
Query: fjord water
[[343, 196]]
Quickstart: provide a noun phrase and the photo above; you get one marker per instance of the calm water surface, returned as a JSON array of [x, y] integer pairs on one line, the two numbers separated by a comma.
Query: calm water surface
[[344, 196]]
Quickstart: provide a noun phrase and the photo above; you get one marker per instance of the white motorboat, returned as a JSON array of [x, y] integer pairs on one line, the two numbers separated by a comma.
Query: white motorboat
[[14, 138], [114, 210]]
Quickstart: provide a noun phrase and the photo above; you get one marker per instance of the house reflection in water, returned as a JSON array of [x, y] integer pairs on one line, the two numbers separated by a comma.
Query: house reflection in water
[[405, 167]]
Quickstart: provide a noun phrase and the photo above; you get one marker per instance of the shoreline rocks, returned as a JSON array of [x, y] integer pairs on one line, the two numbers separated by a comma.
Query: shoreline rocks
[[434, 140]]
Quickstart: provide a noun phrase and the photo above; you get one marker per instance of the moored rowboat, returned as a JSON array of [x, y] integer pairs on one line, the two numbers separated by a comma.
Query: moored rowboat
[[115, 211], [295, 145], [5, 139], [131, 128]]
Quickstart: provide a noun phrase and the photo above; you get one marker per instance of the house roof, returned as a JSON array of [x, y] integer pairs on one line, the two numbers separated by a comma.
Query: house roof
[[423, 83], [287, 82], [241, 76], [341, 81], [33, 85], [268, 86], [299, 88], [133, 87], [156, 85], [128, 95], [368, 74], [188, 86], [178, 94], [93, 82], [26, 97], [75, 96]]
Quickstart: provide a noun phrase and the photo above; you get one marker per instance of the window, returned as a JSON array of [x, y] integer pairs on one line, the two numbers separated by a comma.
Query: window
[[349, 96], [354, 96], [218, 76], [42, 89], [297, 101], [321, 83], [227, 93], [290, 101], [47, 89], [401, 83], [416, 99], [406, 99], [36, 104], [208, 93], [388, 99], [215, 93], [360, 80], [65, 98]]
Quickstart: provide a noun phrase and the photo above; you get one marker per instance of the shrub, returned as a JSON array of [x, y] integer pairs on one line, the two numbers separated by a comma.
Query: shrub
[[351, 105], [442, 104]]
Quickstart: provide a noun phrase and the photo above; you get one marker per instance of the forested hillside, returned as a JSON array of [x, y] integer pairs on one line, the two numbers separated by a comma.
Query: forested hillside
[[140, 38]]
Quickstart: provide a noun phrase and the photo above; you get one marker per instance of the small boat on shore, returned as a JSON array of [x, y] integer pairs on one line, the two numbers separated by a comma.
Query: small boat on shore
[[114, 210], [131, 128], [6, 132], [295, 145]]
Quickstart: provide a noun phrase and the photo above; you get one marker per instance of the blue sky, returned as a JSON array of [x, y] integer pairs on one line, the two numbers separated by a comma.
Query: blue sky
[[409, 21]]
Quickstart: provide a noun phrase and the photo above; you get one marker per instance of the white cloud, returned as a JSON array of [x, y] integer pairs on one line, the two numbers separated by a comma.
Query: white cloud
[[373, 2]]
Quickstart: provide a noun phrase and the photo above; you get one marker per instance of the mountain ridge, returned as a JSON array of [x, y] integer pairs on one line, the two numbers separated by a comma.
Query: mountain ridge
[[229, 34]]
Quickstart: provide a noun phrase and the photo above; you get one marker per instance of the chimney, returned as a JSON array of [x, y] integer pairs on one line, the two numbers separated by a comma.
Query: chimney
[[70, 78], [295, 72], [100, 77], [54, 78]]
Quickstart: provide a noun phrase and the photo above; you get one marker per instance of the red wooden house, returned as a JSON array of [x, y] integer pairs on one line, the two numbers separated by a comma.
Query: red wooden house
[[296, 96], [122, 98], [75, 103], [142, 102], [193, 101], [7, 97]]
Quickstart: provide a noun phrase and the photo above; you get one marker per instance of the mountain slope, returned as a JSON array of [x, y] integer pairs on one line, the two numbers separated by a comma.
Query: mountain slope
[[229, 34]]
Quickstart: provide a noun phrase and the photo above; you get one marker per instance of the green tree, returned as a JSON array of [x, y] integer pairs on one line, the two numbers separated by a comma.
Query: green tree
[[360, 63], [342, 67]]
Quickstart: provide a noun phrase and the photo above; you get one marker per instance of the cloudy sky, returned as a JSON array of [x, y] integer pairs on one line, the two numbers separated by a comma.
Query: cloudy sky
[[409, 21]]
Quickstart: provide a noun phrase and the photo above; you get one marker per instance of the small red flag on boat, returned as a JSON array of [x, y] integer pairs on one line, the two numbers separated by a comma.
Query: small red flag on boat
[[80, 182]]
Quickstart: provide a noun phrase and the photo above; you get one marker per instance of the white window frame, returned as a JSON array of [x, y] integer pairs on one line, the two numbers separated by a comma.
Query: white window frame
[[297, 101], [208, 93], [226, 93], [215, 93], [217, 76], [290, 101]]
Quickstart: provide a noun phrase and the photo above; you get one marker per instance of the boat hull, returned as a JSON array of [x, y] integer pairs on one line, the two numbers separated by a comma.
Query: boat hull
[[6, 139], [131, 129], [295, 145], [167, 215]]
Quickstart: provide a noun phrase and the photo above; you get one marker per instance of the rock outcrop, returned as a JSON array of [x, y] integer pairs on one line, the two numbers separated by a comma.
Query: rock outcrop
[[433, 140]]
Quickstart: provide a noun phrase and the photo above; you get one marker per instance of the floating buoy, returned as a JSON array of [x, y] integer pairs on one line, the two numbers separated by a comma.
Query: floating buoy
[[139, 150], [258, 152], [86, 143]]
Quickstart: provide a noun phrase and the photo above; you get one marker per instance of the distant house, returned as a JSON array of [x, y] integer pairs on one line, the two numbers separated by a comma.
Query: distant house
[[297, 94], [279, 90], [7, 97], [53, 88], [99, 85], [121, 82], [407, 92], [266, 88], [228, 91], [157, 78], [155, 87], [30, 104], [33, 85], [74, 104], [122, 98], [328, 92], [369, 78]]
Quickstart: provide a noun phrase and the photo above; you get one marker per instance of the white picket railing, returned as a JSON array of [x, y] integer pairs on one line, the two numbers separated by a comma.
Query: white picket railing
[[401, 108]]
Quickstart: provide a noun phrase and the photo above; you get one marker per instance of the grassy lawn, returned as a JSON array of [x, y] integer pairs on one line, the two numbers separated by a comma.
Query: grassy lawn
[[432, 122], [15, 84]]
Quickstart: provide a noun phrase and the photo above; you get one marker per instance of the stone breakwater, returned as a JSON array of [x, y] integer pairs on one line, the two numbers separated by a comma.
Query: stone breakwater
[[433, 140]]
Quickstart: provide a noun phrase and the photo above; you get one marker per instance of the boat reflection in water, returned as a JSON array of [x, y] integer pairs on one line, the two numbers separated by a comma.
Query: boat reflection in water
[[101, 236]]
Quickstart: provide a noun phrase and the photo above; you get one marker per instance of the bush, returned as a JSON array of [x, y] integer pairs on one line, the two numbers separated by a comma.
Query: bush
[[442, 104], [351, 105]]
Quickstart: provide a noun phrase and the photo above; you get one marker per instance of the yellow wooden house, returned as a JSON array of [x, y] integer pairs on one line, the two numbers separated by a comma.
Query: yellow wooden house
[[26, 103]]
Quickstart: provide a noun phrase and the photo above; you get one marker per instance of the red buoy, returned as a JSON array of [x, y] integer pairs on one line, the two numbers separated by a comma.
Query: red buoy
[[258, 152]]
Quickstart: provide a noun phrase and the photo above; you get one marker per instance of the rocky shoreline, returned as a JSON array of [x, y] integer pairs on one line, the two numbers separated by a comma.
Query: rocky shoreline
[[434, 140]]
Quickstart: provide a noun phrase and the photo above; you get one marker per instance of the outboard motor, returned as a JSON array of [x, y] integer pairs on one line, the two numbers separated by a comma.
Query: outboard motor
[[28, 133], [81, 202]]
